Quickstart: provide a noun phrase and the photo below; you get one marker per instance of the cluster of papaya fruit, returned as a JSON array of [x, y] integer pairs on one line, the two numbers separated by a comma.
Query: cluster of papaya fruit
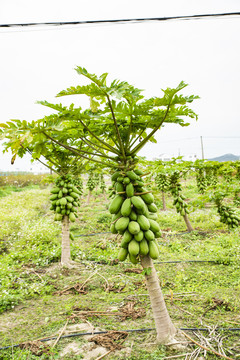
[[134, 216], [201, 181], [91, 184], [78, 183], [181, 205], [64, 198], [228, 216], [162, 182]]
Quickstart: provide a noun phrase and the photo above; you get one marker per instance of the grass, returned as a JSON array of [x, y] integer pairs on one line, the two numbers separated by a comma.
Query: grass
[[34, 303]]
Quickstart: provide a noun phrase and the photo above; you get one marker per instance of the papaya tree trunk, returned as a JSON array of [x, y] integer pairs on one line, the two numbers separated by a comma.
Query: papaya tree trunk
[[65, 256], [164, 326], [164, 201], [187, 222], [88, 198]]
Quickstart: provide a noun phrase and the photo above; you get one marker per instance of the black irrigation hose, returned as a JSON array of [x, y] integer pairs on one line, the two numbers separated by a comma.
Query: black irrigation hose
[[105, 332]]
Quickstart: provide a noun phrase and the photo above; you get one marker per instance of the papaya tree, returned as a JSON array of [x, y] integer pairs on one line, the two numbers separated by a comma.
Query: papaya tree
[[119, 122], [65, 194]]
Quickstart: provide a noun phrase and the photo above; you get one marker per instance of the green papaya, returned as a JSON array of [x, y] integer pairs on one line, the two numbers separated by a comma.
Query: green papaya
[[53, 197], [115, 175], [139, 172], [127, 236], [71, 236], [153, 250], [122, 255], [116, 204], [64, 190], [126, 207], [119, 187], [112, 229], [126, 180], [130, 190], [60, 194], [72, 217], [133, 215], [149, 235], [152, 216], [69, 205], [133, 227], [154, 226], [74, 195], [122, 223], [138, 203], [148, 198], [134, 260], [63, 201], [58, 209], [143, 247], [69, 198], [139, 236], [152, 208], [133, 247], [116, 216], [143, 222], [158, 234], [55, 190], [132, 175]]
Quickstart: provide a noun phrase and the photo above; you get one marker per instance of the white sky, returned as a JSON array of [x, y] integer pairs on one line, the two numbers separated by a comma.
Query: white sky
[[36, 63]]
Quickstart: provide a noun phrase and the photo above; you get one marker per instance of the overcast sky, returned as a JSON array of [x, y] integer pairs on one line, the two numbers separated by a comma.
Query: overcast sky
[[36, 63]]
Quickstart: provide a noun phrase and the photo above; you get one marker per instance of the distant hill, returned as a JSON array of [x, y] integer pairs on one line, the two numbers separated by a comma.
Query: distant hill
[[226, 157]]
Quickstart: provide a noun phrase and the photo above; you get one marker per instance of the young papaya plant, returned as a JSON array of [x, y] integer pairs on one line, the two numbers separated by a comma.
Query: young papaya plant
[[118, 124]]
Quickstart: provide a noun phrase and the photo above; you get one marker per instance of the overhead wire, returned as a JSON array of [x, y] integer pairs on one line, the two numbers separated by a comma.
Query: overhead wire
[[121, 21]]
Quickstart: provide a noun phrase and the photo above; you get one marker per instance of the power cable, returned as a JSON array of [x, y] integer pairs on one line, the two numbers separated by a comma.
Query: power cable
[[113, 21], [105, 332]]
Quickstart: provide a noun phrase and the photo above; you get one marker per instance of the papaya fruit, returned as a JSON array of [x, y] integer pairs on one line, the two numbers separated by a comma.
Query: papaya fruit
[[119, 187], [115, 175], [112, 229], [152, 216], [138, 202], [132, 175], [60, 194], [133, 227], [148, 198], [63, 201], [70, 199], [143, 222], [122, 255], [130, 190], [116, 204], [143, 247], [158, 234], [134, 260], [122, 223], [139, 236], [74, 195], [149, 235], [53, 197], [154, 226], [55, 190], [153, 250], [133, 247], [72, 217], [126, 207], [71, 236], [126, 180], [152, 208], [133, 215]]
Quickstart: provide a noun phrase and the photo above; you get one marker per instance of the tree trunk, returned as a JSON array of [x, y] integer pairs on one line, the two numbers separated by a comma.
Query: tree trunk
[[88, 198], [164, 201], [65, 256], [164, 326], [187, 222]]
